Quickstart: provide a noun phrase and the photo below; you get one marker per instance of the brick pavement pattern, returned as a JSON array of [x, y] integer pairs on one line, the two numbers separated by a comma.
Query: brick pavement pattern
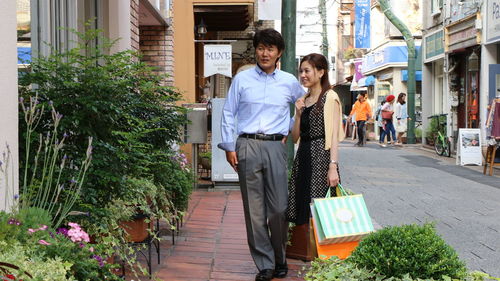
[[409, 185], [212, 244]]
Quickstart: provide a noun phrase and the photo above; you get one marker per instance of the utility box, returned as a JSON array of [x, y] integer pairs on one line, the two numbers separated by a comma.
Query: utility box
[[196, 130]]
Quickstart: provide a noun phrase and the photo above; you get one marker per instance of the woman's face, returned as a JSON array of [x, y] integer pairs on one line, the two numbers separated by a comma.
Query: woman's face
[[309, 75], [403, 98]]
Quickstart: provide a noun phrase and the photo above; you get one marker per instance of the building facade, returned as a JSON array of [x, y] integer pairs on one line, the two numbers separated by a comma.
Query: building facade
[[9, 163]]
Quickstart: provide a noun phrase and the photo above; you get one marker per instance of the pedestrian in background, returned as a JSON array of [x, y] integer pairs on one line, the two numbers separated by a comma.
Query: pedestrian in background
[[401, 113], [387, 116], [363, 113], [259, 98], [318, 127], [381, 126]]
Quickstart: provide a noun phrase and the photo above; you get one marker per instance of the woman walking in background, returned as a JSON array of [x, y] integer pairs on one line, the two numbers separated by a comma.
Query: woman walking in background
[[401, 113], [318, 125], [387, 115], [381, 126]]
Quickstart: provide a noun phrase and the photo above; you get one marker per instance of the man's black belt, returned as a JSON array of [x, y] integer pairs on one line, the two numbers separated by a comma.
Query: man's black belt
[[275, 137]]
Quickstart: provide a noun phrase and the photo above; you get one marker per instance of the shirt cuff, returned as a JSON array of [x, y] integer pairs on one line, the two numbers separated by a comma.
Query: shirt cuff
[[227, 146]]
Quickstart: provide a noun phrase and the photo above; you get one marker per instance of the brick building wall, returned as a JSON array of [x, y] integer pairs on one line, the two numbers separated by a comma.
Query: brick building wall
[[134, 24], [156, 46]]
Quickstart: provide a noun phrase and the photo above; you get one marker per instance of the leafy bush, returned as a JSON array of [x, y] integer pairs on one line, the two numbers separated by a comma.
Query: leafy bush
[[409, 249], [39, 268], [116, 99], [335, 269]]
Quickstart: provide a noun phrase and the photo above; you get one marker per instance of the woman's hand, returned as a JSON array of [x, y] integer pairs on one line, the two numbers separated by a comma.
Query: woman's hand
[[333, 175], [299, 106]]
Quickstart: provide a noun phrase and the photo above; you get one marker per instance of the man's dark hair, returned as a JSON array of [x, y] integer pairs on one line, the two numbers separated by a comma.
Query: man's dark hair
[[362, 94], [269, 37]]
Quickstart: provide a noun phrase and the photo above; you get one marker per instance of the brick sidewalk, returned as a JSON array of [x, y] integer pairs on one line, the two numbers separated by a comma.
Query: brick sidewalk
[[212, 243]]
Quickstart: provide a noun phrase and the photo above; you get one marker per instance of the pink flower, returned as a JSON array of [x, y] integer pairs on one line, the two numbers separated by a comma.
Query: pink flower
[[91, 249], [43, 227], [43, 242], [76, 234], [31, 230]]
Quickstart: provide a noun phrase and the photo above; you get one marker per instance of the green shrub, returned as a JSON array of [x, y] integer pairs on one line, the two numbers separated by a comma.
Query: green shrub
[[39, 268], [409, 249], [335, 269]]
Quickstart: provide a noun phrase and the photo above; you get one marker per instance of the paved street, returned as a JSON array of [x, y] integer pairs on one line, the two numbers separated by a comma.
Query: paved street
[[410, 185]]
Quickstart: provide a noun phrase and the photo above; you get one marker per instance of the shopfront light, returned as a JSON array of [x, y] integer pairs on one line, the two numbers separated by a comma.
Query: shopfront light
[[201, 29], [473, 62]]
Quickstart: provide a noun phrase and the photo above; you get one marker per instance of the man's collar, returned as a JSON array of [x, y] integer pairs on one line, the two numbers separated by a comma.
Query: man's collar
[[260, 71]]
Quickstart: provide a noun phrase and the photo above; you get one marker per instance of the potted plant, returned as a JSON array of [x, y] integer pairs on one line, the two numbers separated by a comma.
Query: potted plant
[[205, 159]]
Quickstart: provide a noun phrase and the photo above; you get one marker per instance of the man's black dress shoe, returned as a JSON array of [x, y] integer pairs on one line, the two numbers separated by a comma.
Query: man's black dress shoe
[[264, 275], [281, 270]]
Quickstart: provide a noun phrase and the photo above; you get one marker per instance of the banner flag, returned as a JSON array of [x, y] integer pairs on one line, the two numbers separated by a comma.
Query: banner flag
[[362, 24]]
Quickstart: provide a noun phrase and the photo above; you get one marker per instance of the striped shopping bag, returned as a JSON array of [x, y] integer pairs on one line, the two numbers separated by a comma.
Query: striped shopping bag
[[340, 219]]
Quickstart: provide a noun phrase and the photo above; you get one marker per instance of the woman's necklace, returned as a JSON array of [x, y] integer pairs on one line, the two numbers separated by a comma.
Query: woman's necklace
[[311, 99]]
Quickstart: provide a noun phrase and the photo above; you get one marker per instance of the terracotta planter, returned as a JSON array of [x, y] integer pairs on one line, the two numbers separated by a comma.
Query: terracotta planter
[[136, 230]]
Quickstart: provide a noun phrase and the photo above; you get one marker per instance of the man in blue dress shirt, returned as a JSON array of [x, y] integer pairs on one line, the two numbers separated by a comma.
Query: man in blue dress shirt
[[260, 99]]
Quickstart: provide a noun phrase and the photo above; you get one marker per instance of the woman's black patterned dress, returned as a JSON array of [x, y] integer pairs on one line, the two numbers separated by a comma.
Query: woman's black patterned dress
[[310, 167]]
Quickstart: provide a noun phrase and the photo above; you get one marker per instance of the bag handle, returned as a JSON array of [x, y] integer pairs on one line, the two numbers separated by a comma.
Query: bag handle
[[340, 188]]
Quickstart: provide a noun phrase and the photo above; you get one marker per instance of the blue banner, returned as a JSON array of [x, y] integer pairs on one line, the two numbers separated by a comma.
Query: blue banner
[[362, 24]]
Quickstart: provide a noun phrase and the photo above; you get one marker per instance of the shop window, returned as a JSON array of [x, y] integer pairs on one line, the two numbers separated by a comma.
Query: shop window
[[53, 20], [436, 6]]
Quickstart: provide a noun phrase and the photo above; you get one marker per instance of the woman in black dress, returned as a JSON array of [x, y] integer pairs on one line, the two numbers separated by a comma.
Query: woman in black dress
[[318, 128]]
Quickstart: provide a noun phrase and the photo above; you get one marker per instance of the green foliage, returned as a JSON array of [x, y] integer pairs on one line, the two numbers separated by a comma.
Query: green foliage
[[409, 249], [67, 252], [14, 227], [418, 133], [335, 269], [432, 129], [40, 268], [116, 99], [43, 170]]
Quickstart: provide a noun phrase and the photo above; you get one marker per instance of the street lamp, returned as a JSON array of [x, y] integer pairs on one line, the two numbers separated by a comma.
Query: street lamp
[[201, 29]]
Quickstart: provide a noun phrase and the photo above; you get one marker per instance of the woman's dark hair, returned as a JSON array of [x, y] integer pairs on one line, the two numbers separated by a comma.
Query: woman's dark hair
[[400, 98], [319, 62], [269, 37]]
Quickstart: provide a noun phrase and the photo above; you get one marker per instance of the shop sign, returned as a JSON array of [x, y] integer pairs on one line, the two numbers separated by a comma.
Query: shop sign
[[389, 56], [434, 46], [460, 9], [493, 21], [469, 147], [462, 34], [218, 59]]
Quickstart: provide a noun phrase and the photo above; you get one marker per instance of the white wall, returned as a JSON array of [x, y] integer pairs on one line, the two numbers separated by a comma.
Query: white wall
[[8, 100], [119, 24]]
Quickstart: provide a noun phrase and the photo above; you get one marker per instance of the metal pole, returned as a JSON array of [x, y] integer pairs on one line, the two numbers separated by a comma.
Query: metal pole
[[412, 56], [324, 32], [288, 64]]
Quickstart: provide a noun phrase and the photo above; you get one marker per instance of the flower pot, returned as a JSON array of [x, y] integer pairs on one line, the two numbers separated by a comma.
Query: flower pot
[[136, 230], [206, 163]]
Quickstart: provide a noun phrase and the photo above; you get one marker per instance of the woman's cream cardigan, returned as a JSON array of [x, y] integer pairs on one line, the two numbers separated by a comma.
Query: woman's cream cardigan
[[331, 99]]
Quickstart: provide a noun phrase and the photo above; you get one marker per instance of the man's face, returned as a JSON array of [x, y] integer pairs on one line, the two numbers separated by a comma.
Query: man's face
[[267, 56], [361, 98]]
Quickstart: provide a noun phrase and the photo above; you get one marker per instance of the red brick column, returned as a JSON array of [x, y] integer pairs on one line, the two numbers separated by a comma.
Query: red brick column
[[134, 24]]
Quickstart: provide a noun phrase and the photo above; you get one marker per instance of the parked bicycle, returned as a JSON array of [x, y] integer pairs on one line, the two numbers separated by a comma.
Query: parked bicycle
[[442, 144]]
